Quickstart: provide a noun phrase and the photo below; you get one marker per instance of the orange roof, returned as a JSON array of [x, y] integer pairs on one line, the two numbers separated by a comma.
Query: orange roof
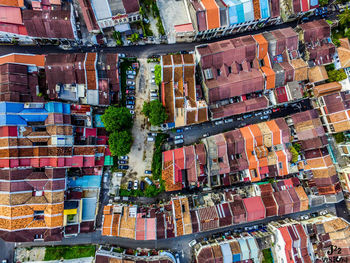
[[213, 14], [270, 77], [276, 133], [248, 137], [16, 3], [282, 158], [107, 223], [257, 134], [29, 59], [262, 45]]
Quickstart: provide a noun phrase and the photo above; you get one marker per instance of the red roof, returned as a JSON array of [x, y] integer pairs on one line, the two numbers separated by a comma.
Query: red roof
[[10, 15], [255, 208], [184, 28]]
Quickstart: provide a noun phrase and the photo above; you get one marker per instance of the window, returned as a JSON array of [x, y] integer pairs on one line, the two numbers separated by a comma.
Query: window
[[218, 72], [38, 128], [251, 64], [229, 69], [39, 215], [39, 143], [280, 165], [41, 169], [240, 67]]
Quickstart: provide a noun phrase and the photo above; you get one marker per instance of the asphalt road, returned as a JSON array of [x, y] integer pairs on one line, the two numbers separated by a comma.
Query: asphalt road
[[196, 132], [141, 51], [178, 244]]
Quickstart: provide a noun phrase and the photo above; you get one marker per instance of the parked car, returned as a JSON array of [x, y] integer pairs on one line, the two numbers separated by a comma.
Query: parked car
[[177, 137], [258, 113], [228, 120], [179, 130], [323, 212], [152, 81], [123, 167], [276, 109], [130, 102], [132, 112], [125, 157], [239, 118], [131, 87], [122, 162], [170, 139], [246, 116], [130, 107], [119, 174], [130, 98], [136, 184], [131, 72], [265, 117], [267, 112], [177, 257], [153, 98], [205, 135], [188, 128], [142, 185], [121, 55], [130, 82], [130, 76], [219, 122], [154, 95], [147, 180], [180, 141], [150, 139], [148, 172], [304, 217], [130, 92], [129, 185], [154, 134]]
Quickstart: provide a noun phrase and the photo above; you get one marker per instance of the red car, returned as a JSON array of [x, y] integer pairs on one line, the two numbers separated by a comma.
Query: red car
[[275, 110]]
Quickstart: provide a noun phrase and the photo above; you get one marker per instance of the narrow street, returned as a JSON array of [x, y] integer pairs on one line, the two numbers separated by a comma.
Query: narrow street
[[196, 132]]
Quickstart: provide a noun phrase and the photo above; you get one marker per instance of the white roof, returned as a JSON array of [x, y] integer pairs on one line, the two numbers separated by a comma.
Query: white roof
[[101, 9]]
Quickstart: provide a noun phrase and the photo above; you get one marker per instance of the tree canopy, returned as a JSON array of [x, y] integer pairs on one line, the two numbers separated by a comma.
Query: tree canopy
[[158, 74], [336, 75], [117, 119], [120, 143], [155, 111], [344, 18]]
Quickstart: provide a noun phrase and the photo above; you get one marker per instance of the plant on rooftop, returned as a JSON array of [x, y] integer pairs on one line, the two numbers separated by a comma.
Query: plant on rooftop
[[339, 137], [155, 111], [120, 142], [117, 119], [158, 74]]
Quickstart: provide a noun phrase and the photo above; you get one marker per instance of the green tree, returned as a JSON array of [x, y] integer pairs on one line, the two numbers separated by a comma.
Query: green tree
[[294, 153], [134, 37], [344, 18], [323, 2], [120, 143], [158, 74], [155, 111], [339, 137], [117, 119], [336, 75], [116, 35]]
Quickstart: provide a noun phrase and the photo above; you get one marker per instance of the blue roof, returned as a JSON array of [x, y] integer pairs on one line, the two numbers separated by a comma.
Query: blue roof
[[254, 250], [57, 107], [244, 248], [226, 253], [85, 181], [264, 9], [89, 208]]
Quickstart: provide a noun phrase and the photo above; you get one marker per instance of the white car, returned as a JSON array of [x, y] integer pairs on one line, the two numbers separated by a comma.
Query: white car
[[136, 184], [179, 141], [130, 82], [177, 137], [219, 122], [132, 112], [228, 120], [125, 157], [131, 76]]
